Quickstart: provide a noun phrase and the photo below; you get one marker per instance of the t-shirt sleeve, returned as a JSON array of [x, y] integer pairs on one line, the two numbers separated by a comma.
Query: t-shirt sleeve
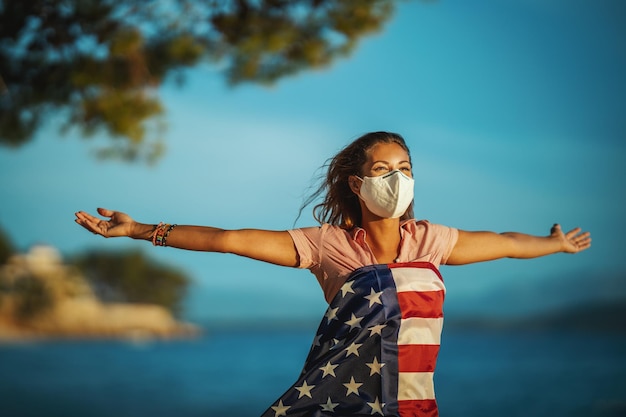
[[307, 242], [449, 236], [434, 242]]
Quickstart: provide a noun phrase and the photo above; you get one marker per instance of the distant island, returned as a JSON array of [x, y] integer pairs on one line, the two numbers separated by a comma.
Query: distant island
[[40, 297], [590, 316]]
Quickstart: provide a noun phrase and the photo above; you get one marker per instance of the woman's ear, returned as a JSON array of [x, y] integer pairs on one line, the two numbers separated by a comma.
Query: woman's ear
[[355, 184]]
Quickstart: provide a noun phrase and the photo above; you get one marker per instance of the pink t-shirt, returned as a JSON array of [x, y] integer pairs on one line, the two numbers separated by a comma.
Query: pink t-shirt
[[332, 253]]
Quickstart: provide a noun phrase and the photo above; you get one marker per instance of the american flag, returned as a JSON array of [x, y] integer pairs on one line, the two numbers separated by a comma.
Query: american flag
[[376, 348]]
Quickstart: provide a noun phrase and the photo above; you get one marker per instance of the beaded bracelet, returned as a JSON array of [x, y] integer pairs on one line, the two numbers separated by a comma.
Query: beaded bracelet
[[169, 229], [160, 233]]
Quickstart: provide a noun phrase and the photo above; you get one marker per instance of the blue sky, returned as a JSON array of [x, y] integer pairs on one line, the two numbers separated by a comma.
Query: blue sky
[[513, 111]]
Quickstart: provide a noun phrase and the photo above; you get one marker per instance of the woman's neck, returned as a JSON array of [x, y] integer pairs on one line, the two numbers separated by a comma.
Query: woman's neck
[[383, 238]]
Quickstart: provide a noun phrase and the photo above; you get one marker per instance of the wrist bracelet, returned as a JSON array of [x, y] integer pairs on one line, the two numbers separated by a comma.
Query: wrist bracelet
[[169, 229], [160, 233]]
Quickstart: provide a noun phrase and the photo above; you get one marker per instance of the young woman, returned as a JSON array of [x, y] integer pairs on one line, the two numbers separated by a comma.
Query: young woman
[[376, 347]]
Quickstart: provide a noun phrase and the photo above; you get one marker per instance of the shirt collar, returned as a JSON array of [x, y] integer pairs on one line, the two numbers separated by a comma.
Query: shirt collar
[[359, 234]]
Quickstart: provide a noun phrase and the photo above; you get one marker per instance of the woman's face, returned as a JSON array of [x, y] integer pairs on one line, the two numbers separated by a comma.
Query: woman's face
[[386, 157]]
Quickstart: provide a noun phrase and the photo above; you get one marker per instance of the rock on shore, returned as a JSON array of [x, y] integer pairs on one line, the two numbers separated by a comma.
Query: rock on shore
[[68, 307]]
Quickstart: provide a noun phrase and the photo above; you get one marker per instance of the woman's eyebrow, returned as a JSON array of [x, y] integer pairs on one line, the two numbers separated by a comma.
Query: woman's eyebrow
[[386, 162]]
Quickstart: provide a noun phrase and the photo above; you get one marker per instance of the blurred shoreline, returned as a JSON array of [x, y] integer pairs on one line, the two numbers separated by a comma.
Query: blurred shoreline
[[591, 316], [42, 298], [11, 332]]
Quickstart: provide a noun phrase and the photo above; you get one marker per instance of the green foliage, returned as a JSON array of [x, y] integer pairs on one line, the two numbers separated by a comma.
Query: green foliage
[[102, 61], [133, 277], [6, 247], [32, 297]]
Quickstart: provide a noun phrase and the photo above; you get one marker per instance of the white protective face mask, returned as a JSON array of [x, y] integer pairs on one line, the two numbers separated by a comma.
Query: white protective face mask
[[389, 195]]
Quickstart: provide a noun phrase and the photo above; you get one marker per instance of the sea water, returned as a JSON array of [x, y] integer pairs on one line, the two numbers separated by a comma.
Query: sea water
[[240, 372]]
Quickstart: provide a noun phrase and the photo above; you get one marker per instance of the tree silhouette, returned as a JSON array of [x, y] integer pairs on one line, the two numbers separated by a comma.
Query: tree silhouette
[[134, 278], [99, 63], [6, 247]]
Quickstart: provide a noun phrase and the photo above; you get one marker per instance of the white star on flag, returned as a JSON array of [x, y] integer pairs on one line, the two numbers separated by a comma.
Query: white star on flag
[[354, 322], [280, 409], [375, 366], [352, 386], [329, 369], [329, 406], [346, 288], [376, 329], [377, 407], [353, 349], [305, 389], [331, 314], [374, 297]]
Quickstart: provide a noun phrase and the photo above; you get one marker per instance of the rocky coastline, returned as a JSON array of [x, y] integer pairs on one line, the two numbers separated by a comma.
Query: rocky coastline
[[69, 309]]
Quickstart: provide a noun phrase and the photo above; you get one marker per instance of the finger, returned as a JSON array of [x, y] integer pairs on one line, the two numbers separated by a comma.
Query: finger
[[582, 241], [583, 238], [105, 212], [573, 232], [582, 245], [556, 228], [86, 217], [90, 226]]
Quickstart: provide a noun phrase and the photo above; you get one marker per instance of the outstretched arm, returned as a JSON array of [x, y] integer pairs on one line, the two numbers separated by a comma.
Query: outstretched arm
[[486, 246], [275, 247]]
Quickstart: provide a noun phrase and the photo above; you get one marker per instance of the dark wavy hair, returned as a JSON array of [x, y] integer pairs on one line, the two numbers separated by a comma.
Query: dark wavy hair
[[340, 206]]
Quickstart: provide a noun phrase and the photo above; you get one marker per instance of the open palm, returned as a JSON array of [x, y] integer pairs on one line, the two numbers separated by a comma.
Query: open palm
[[119, 224], [573, 241]]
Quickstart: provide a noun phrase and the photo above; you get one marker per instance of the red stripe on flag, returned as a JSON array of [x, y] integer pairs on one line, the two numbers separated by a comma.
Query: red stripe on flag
[[417, 408], [417, 358], [425, 304]]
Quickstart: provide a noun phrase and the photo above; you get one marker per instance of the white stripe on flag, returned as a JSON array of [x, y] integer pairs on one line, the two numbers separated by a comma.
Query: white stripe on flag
[[415, 386], [420, 331], [416, 279]]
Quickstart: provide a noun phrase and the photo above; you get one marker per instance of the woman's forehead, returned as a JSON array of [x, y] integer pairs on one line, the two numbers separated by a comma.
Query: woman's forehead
[[387, 152]]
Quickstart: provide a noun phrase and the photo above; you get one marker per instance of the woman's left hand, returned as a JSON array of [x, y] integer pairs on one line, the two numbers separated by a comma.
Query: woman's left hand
[[573, 241]]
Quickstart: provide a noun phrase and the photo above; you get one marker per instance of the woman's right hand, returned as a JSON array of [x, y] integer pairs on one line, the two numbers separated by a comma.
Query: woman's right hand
[[119, 224]]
